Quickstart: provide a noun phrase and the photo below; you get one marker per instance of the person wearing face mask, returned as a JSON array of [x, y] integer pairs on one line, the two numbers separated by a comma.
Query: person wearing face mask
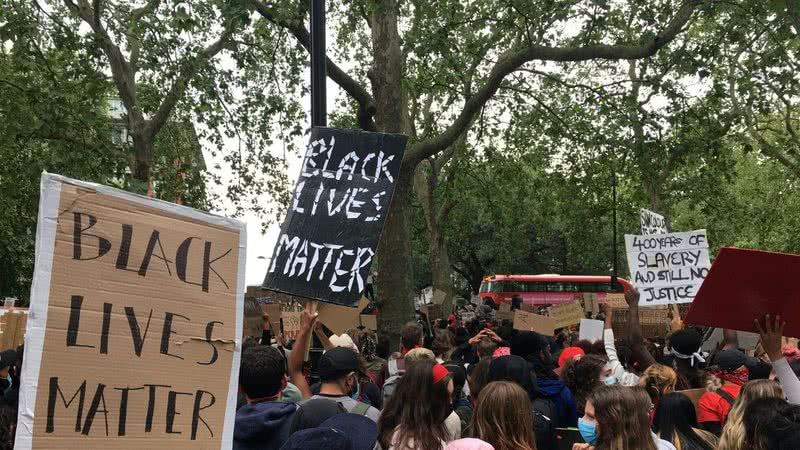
[[338, 372], [617, 418]]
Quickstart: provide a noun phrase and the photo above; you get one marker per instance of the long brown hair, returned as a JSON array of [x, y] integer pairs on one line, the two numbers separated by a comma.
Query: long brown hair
[[623, 422], [733, 434], [417, 410], [504, 417]]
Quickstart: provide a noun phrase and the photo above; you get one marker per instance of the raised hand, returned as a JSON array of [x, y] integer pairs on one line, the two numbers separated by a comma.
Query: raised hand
[[771, 336]]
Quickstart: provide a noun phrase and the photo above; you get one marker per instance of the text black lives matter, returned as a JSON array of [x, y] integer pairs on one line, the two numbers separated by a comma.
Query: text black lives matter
[[336, 216]]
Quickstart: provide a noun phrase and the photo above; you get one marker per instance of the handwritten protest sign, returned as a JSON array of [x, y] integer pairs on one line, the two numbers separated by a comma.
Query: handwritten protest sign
[[668, 268], [527, 321], [134, 333], [652, 223], [327, 242], [567, 314]]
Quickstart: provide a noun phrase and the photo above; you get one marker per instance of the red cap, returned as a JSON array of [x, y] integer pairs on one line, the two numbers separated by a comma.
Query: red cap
[[439, 372], [569, 353], [501, 351], [451, 318]]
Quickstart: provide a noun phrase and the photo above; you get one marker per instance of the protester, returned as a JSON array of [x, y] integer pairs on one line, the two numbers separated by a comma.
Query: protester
[[688, 358], [338, 373], [657, 381], [723, 385], [479, 378], [368, 346], [771, 339], [411, 337], [503, 415], [461, 405], [616, 366], [772, 424], [583, 376], [536, 350], [469, 444], [675, 421], [414, 418], [545, 421], [733, 433], [341, 432], [569, 354], [617, 419], [264, 423]]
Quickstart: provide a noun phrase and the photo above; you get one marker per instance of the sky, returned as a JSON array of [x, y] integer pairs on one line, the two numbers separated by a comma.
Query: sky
[[260, 245]]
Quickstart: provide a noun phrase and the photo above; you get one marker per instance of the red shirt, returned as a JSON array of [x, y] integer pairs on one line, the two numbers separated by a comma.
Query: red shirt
[[713, 408]]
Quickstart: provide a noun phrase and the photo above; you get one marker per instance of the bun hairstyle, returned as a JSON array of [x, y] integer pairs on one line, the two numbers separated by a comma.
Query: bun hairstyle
[[658, 380]]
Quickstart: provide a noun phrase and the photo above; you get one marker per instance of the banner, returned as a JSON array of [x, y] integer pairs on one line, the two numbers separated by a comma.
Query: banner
[[134, 333], [527, 321], [328, 240], [652, 223], [668, 268]]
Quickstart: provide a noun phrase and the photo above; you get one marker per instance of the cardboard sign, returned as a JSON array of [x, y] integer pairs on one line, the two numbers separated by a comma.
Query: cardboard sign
[[13, 325], [652, 223], [328, 240], [433, 311], [369, 321], [744, 285], [747, 341], [591, 330], [341, 318], [616, 301], [567, 314], [504, 312], [291, 319], [135, 324], [526, 321], [668, 268]]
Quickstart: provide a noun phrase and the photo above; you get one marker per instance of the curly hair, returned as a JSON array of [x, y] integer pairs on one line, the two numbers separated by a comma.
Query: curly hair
[[582, 377], [658, 380]]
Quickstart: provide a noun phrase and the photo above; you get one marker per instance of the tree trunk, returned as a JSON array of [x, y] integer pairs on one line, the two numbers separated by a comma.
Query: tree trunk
[[395, 281], [440, 269], [143, 143]]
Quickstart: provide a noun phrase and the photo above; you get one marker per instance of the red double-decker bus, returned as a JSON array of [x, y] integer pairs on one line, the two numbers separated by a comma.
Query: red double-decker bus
[[548, 289]]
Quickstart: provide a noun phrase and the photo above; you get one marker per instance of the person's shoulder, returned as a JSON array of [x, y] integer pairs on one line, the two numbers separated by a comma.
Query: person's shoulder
[[661, 444], [733, 389]]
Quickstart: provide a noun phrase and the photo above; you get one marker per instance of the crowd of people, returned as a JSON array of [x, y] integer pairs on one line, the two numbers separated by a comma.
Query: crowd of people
[[484, 385]]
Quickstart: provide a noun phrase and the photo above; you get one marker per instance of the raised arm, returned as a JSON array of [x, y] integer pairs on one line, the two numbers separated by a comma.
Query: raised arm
[[298, 354], [772, 341], [638, 348]]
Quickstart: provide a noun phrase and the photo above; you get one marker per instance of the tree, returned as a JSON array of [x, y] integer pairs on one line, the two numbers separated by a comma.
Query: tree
[[138, 44], [485, 41]]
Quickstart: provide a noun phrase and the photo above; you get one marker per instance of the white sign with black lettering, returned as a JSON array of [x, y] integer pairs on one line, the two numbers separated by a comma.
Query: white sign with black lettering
[[668, 268], [652, 223]]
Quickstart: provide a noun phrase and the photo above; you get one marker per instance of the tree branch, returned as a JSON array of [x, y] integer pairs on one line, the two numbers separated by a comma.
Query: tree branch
[[514, 59], [188, 70], [353, 88]]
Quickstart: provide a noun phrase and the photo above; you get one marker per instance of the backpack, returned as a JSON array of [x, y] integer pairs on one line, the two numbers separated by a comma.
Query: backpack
[[544, 423], [396, 369]]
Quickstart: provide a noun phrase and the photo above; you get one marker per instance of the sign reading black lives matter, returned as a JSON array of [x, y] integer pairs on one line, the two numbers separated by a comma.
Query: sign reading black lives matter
[[668, 268], [328, 240]]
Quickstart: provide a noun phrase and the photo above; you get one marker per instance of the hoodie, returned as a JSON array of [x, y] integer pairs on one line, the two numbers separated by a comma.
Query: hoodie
[[560, 394], [263, 426]]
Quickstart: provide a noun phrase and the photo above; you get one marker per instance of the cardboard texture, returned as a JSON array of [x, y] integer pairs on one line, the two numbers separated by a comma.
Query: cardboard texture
[[328, 240], [13, 325], [433, 311], [668, 268], [567, 314], [617, 301], [369, 322], [591, 330], [526, 321], [744, 285], [134, 334], [341, 318]]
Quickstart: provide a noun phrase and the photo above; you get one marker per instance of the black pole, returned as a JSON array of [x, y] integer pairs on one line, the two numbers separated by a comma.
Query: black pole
[[319, 109], [614, 220]]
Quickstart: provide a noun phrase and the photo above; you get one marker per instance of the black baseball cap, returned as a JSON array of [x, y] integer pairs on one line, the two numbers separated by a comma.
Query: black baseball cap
[[337, 362]]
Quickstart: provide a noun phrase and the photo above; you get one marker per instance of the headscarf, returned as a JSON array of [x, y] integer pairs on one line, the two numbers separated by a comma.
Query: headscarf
[[515, 369]]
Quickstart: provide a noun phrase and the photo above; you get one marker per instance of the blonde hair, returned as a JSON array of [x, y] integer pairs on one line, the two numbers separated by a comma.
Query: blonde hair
[[504, 417], [419, 354], [658, 380], [733, 434]]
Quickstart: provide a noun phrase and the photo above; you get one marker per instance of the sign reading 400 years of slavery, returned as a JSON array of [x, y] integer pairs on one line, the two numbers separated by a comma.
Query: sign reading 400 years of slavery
[[135, 325], [327, 242]]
